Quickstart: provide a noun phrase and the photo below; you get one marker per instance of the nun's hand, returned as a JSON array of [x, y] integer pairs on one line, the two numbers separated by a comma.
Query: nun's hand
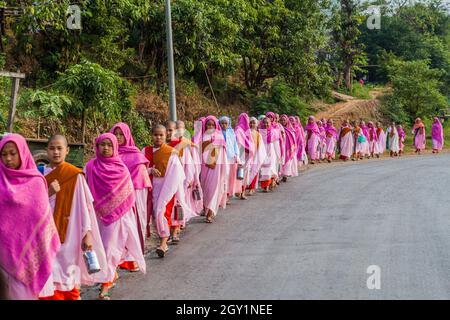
[[156, 172], [54, 188], [87, 243]]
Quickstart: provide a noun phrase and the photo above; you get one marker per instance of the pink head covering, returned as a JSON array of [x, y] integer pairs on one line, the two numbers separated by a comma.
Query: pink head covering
[[216, 136], [290, 141], [418, 124], [313, 127], [110, 183], [198, 131], [28, 236], [365, 129], [244, 134], [437, 131], [132, 157], [331, 130]]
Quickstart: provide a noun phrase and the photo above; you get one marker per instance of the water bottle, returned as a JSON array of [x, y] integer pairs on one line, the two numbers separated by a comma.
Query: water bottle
[[90, 258], [240, 173], [179, 214], [196, 194]]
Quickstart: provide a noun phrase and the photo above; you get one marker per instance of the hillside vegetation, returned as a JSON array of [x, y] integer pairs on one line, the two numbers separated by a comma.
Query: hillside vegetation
[[231, 56]]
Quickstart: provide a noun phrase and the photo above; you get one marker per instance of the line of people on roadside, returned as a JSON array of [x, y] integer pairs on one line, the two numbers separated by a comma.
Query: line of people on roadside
[[63, 227]]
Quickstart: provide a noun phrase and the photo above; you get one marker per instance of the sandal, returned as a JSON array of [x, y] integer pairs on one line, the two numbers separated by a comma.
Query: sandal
[[104, 296], [175, 240], [161, 253]]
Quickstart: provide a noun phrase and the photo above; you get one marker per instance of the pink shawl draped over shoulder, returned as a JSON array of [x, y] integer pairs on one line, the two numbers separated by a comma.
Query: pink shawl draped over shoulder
[[290, 142], [110, 182], [133, 158], [29, 240]]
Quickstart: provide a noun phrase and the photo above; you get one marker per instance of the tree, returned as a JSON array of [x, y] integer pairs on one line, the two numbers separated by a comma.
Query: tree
[[346, 20], [411, 32], [416, 87], [94, 89]]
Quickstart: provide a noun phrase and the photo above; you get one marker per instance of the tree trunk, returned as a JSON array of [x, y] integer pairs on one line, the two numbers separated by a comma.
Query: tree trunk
[[348, 76]]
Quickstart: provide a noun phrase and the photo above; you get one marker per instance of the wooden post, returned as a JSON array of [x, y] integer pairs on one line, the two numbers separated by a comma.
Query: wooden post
[[13, 102], [16, 76]]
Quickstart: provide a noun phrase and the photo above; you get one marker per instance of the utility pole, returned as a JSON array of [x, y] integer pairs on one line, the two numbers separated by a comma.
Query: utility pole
[[171, 71]]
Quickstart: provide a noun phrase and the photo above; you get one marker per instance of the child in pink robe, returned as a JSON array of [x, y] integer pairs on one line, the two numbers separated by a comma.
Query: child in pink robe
[[313, 139], [419, 135], [114, 201], [330, 141], [346, 141], [213, 173]]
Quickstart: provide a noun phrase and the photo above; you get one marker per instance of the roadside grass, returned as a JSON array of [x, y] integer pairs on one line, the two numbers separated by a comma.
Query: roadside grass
[[361, 91]]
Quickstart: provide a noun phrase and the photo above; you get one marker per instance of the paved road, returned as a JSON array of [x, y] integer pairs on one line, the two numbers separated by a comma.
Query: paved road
[[315, 237]]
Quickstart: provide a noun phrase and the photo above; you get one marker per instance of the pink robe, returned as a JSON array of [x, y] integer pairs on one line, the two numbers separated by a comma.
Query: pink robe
[[214, 181], [269, 168], [347, 144], [330, 146], [121, 241], [69, 269], [164, 189], [313, 145], [381, 142], [191, 182], [420, 139]]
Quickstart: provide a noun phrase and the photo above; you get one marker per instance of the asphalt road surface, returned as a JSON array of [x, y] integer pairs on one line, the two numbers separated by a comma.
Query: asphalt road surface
[[316, 237]]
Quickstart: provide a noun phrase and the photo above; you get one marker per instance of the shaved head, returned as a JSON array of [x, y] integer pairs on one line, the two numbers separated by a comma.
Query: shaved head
[[181, 125], [171, 124], [159, 127], [58, 137]]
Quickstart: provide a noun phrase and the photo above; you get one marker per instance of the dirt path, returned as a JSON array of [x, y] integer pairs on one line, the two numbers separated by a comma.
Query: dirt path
[[353, 108]]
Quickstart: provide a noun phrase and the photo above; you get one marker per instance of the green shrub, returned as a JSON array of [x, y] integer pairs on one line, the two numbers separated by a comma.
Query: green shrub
[[281, 99]]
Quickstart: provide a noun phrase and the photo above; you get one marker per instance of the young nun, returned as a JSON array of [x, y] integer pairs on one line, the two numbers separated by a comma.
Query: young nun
[[183, 146], [190, 159], [114, 201], [233, 159], [298, 140], [269, 168], [346, 142], [302, 155], [72, 206], [364, 146], [401, 139], [137, 164], [214, 161], [373, 140], [258, 158], [313, 139], [437, 135], [247, 151], [290, 166], [28, 235], [168, 199], [419, 135], [322, 140], [359, 139], [393, 141], [331, 137], [277, 136], [381, 138]]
